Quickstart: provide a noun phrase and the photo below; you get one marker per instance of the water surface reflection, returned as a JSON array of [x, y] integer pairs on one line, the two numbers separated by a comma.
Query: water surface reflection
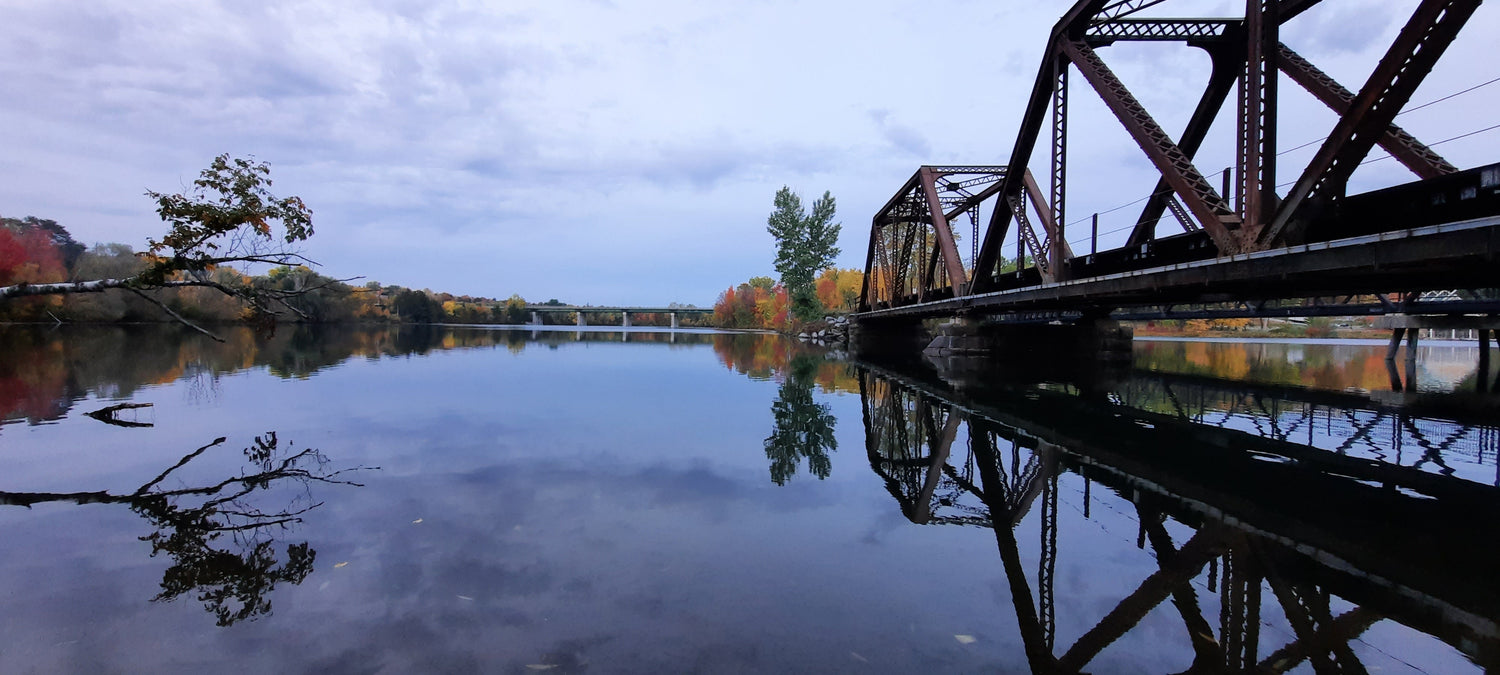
[[222, 536], [1274, 550], [607, 501]]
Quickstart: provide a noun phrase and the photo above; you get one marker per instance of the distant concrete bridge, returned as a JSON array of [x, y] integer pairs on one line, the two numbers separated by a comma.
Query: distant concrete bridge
[[538, 310]]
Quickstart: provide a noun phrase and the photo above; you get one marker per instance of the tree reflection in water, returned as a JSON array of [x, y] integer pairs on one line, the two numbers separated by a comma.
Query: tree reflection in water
[[803, 428], [221, 539]]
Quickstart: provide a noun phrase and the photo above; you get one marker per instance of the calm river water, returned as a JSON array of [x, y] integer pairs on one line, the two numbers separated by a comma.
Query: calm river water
[[439, 499]]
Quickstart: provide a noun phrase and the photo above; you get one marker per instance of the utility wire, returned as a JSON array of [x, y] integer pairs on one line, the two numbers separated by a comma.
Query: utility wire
[[1471, 133], [1403, 112]]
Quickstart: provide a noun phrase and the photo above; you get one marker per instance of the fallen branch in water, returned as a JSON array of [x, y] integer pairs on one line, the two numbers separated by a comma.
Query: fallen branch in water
[[107, 414]]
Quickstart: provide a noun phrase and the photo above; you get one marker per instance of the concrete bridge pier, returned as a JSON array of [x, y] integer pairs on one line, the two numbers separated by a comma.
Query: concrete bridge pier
[[626, 324], [1091, 340], [674, 320], [581, 321]]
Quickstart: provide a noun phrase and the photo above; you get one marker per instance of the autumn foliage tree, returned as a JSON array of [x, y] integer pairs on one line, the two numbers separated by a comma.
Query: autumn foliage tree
[[838, 289], [757, 303]]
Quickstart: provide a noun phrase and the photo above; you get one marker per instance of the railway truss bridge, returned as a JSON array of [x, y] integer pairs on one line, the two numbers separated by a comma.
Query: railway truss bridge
[[1239, 244]]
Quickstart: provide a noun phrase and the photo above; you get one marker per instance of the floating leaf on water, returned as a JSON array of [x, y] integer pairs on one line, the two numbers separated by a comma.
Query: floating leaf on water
[[541, 666], [964, 639], [414, 522], [858, 658], [338, 565], [465, 597]]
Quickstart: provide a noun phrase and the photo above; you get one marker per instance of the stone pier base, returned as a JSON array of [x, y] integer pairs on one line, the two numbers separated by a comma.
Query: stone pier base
[[888, 340]]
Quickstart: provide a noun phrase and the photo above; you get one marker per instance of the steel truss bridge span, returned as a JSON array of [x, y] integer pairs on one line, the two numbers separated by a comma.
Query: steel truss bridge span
[[1240, 239]]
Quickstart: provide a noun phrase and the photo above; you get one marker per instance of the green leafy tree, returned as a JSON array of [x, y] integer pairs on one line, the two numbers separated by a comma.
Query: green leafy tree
[[805, 245], [417, 307]]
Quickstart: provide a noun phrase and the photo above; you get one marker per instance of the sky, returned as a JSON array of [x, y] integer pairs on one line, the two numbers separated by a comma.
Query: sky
[[606, 152]]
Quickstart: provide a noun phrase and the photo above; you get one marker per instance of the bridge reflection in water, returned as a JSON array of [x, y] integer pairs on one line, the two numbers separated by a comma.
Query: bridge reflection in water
[[1301, 516]]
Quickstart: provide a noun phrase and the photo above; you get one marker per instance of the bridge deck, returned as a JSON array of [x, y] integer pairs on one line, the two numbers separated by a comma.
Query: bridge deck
[[557, 309], [1460, 255]]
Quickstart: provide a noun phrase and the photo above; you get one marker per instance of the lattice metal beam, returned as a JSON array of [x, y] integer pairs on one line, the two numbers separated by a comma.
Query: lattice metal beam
[[1161, 30]]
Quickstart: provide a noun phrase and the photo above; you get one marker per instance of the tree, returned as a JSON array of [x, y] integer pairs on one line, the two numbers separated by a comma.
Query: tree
[[227, 217], [67, 248], [515, 310], [805, 245], [417, 307]]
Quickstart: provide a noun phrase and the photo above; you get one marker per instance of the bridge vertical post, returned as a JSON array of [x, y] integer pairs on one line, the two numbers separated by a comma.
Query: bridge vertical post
[[674, 320], [626, 323], [581, 320], [1483, 378]]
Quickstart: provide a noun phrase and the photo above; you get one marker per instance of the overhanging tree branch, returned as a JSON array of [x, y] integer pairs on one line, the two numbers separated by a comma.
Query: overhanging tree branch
[[227, 217]]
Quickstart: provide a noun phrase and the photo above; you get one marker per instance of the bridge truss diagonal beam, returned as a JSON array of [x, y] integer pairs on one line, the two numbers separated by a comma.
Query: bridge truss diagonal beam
[[1423, 39], [1177, 168], [1228, 60], [1403, 146]]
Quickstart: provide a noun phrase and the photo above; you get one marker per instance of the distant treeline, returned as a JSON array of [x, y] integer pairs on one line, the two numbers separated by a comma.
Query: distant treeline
[[45, 373], [34, 250]]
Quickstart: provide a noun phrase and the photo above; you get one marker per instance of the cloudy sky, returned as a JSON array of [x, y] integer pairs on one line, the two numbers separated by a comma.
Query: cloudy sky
[[608, 152]]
